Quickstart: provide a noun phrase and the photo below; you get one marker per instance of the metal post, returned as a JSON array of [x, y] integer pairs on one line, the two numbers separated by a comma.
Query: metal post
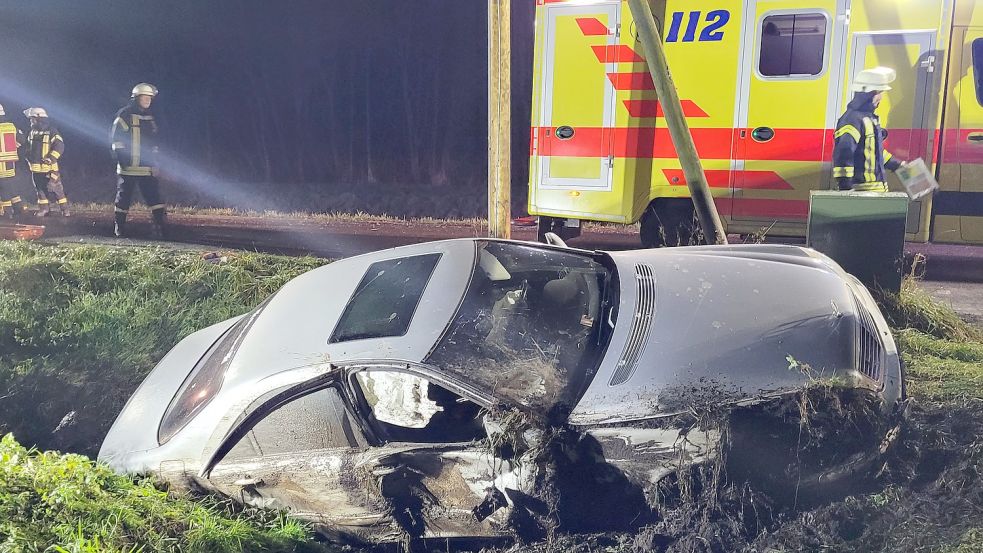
[[696, 180], [499, 119]]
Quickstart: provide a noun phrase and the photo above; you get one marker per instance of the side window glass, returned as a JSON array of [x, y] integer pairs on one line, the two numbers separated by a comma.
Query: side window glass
[[408, 408], [315, 421], [792, 45], [978, 69]]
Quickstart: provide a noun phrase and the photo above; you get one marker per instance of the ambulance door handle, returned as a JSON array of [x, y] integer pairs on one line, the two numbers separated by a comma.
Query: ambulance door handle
[[975, 137], [763, 134]]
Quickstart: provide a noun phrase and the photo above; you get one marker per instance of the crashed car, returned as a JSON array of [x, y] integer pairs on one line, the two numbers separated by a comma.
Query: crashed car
[[415, 391]]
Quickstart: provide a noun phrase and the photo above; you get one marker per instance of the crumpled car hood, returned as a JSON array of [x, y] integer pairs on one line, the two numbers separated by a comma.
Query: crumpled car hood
[[719, 324]]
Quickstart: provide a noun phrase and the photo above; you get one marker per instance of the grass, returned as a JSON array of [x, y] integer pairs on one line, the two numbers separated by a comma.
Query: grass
[[80, 326], [67, 503]]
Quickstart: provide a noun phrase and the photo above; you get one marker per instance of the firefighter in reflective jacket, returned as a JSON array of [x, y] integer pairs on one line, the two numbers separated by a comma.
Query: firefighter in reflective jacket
[[44, 148], [134, 140], [10, 141], [859, 157]]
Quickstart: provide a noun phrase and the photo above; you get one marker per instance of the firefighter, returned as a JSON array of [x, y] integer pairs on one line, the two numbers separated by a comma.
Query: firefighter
[[135, 148], [859, 157], [44, 148], [10, 141]]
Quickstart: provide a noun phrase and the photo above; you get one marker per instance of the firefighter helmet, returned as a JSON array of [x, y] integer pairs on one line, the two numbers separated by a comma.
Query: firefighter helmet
[[35, 112], [2, 112], [877, 79], [144, 89]]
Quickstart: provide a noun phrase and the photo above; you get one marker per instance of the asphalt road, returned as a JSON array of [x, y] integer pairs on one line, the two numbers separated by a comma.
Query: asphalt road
[[952, 273]]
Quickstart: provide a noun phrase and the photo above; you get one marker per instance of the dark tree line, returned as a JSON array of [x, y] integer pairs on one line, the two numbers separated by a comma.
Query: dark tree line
[[376, 104]]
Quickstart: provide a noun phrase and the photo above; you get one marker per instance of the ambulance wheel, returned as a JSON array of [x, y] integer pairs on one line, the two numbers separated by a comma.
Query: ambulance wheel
[[670, 222]]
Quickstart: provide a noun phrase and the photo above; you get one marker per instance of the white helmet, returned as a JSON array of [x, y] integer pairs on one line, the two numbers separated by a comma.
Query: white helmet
[[877, 79], [2, 112], [35, 112], [144, 89]]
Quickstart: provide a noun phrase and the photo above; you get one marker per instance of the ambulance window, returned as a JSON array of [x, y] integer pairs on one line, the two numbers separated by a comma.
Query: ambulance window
[[978, 68], [793, 45]]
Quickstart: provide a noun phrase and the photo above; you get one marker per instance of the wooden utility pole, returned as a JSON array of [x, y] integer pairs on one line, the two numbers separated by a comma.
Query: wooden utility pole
[[499, 119], [696, 179]]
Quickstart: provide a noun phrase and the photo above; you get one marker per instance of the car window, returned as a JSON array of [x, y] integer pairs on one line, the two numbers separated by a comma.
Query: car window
[[978, 69], [386, 298], [318, 420], [407, 408], [792, 45], [528, 329]]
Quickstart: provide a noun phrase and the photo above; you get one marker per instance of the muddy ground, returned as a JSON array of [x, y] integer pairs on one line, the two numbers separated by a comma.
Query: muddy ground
[[925, 494]]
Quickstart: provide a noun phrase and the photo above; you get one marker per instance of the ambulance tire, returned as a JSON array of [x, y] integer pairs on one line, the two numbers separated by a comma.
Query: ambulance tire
[[668, 223]]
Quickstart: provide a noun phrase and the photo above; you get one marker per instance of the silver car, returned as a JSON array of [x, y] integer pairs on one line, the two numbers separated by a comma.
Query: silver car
[[415, 391]]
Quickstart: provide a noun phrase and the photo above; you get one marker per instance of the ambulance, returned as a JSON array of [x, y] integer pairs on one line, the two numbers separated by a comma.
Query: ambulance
[[762, 83]]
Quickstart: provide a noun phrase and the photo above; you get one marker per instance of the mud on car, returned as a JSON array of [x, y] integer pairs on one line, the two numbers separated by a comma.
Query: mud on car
[[449, 389]]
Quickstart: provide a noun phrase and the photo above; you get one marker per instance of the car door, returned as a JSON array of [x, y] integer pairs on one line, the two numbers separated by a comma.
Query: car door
[[300, 450], [442, 474]]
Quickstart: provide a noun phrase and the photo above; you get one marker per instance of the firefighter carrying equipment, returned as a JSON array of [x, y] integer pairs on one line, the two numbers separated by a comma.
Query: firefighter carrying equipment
[[45, 147], [144, 89], [878, 79], [134, 140], [859, 157]]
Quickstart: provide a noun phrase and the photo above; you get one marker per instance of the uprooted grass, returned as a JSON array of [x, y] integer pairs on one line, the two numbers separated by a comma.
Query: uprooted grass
[[67, 503], [80, 326]]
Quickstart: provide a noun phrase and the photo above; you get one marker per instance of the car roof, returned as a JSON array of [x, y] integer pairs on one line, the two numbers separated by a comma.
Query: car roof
[[295, 325]]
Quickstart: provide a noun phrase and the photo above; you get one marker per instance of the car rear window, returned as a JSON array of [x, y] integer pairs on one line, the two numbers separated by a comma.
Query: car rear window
[[385, 300]]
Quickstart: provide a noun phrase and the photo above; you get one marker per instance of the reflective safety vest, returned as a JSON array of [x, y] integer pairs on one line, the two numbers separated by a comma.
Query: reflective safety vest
[[44, 144], [8, 149], [134, 138]]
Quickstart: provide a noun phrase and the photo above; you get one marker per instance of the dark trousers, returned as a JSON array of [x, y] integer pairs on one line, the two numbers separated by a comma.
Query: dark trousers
[[8, 198], [149, 189], [49, 188]]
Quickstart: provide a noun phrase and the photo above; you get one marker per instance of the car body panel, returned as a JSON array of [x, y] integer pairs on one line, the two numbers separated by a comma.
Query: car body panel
[[720, 325]]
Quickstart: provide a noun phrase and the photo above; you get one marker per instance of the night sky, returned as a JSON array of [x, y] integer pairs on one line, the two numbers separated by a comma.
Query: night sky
[[373, 105]]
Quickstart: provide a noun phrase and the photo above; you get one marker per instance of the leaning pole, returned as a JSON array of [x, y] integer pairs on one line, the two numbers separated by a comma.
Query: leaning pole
[[696, 179]]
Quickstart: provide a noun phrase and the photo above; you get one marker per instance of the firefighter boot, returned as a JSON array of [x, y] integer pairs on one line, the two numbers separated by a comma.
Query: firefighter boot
[[65, 212], [43, 210], [159, 223], [119, 229]]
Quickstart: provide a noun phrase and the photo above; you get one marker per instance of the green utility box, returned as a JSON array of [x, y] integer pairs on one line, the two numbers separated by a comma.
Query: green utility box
[[863, 232]]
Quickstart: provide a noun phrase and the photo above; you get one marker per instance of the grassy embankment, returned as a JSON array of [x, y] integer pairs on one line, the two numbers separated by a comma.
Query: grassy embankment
[[81, 326], [79, 329]]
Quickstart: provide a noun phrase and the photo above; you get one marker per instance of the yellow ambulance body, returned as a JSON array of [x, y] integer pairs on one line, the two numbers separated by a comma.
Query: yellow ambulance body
[[762, 83]]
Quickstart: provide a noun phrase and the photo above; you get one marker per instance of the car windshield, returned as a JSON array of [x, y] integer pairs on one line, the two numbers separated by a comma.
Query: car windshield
[[529, 328]]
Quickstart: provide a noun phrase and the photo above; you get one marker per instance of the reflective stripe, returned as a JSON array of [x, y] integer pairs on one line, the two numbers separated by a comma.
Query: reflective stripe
[[848, 129], [63, 201], [55, 154], [16, 200], [887, 156], [135, 141], [6, 204], [155, 207], [121, 124], [870, 152], [42, 202], [871, 187], [135, 171], [118, 210], [118, 145], [843, 172]]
